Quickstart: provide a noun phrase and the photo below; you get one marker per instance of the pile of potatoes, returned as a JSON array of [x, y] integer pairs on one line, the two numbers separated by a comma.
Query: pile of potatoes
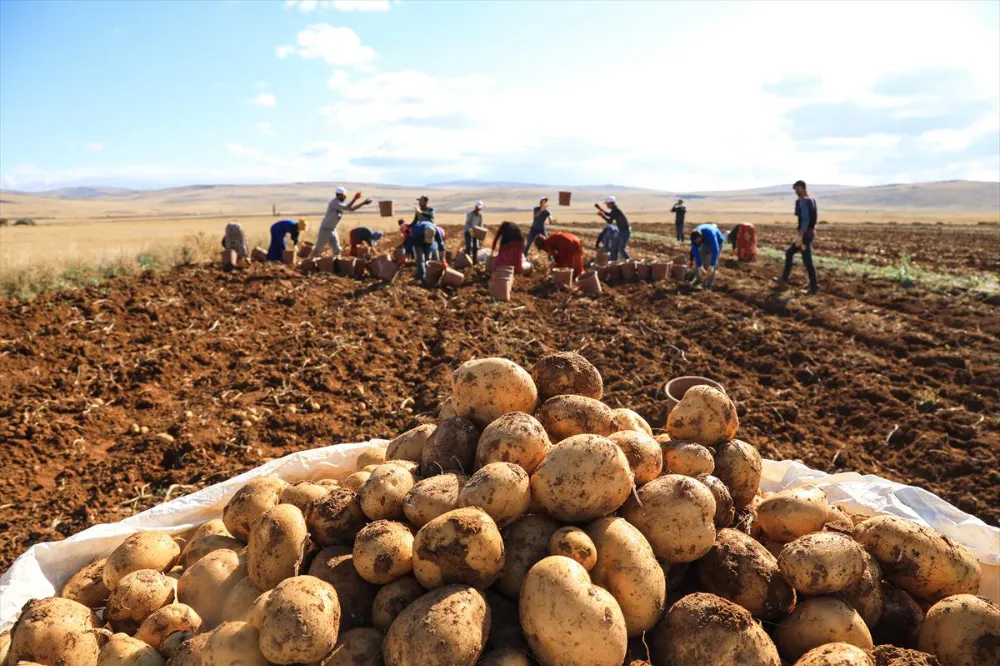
[[531, 524]]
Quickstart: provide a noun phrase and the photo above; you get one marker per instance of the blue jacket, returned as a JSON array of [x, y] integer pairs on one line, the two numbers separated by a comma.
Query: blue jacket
[[713, 238], [417, 236], [608, 237]]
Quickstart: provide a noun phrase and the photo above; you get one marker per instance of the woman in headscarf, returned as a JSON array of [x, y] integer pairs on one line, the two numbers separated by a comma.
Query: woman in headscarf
[[235, 239], [363, 236], [279, 230], [511, 242]]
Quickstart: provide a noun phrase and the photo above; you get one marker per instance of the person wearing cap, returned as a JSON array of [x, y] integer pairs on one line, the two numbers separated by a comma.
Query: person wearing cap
[[328, 227], [425, 240], [511, 241], [679, 210], [615, 215], [565, 249], [279, 230], [541, 216], [473, 219], [363, 236], [706, 246]]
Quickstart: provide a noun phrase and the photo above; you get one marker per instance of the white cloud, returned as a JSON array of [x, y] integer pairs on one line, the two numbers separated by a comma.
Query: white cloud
[[94, 146], [337, 46], [8, 182], [265, 129], [263, 99], [306, 6]]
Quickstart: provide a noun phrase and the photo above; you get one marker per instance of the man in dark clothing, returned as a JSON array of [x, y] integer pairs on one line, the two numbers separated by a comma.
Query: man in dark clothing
[[614, 214], [679, 210], [807, 213], [541, 216]]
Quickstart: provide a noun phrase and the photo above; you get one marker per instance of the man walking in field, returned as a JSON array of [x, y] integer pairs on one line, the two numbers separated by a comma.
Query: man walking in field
[[328, 228], [679, 210], [807, 213]]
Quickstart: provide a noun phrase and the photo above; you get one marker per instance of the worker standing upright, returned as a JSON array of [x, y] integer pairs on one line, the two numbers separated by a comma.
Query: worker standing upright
[[807, 213], [328, 227], [614, 214], [679, 210], [473, 219], [540, 217]]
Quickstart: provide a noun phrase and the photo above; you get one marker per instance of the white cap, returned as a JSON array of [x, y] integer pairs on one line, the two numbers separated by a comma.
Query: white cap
[[609, 199], [341, 190], [479, 203]]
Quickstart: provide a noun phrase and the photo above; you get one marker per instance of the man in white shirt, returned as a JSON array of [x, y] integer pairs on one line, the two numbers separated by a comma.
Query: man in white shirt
[[473, 219], [328, 228]]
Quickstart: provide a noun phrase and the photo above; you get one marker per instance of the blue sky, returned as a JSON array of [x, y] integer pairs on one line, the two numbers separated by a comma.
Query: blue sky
[[669, 95]]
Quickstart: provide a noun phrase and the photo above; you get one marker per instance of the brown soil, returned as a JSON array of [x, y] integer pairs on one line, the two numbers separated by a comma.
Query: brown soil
[[227, 370]]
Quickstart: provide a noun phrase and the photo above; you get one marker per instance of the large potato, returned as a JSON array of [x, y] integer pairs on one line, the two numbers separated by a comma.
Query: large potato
[[335, 519], [627, 568], [516, 438], [822, 563], [526, 542], [382, 495], [135, 598], [452, 447], [165, 621], [206, 585], [683, 457], [704, 415], [240, 600], [372, 456], [445, 627], [567, 415], [410, 445], [738, 465], [233, 644], [866, 594], [900, 620], [574, 543], [790, 514], [429, 498], [301, 621], [461, 546], [393, 599], [203, 545], [500, 489], [335, 565], [54, 632], [87, 586], [626, 419], [645, 458], [725, 512], [568, 620], [706, 630], [836, 654], [740, 569], [384, 551], [302, 494], [676, 514], [143, 550], [582, 478], [818, 621], [567, 373], [357, 647], [962, 630], [487, 388], [123, 650], [253, 499], [277, 544], [914, 558]]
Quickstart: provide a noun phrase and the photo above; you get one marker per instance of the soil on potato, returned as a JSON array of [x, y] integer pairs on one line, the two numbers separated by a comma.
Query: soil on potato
[[228, 370]]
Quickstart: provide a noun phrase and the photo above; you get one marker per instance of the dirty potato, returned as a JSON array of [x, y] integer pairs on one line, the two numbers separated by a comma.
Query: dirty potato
[[684, 457], [302, 494], [136, 597], [203, 545], [206, 585], [87, 585], [900, 620], [643, 453], [301, 621], [738, 464], [818, 621], [452, 447], [445, 627], [582, 478], [486, 389], [962, 630], [277, 542], [335, 565], [526, 542], [626, 419], [516, 438], [725, 512], [410, 445], [143, 550], [866, 594], [54, 632], [789, 514], [429, 498], [392, 599], [384, 551], [233, 644], [372, 456], [676, 514], [500, 489], [355, 481], [124, 650], [165, 621], [567, 373], [822, 563], [574, 543], [567, 415], [383, 494], [704, 415], [335, 519], [836, 654], [461, 546], [253, 499]]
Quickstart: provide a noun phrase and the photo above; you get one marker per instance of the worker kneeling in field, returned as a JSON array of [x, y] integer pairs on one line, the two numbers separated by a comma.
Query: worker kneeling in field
[[565, 249], [363, 236], [706, 246], [279, 230], [426, 242], [511, 242], [328, 228], [235, 239]]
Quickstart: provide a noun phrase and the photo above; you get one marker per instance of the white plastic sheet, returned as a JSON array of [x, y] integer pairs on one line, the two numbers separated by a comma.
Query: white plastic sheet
[[45, 567]]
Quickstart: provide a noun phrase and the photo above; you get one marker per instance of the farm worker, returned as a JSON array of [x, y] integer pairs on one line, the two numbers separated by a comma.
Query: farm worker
[[425, 242], [565, 249], [608, 237], [706, 246], [328, 228], [679, 210], [473, 219], [404, 233], [235, 239], [614, 214], [541, 215], [807, 214], [511, 247], [363, 236], [278, 232]]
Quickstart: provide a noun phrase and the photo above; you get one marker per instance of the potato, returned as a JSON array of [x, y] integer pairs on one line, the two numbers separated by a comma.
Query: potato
[[87, 585], [926, 564], [790, 514], [486, 389], [574, 543], [410, 466], [504, 657], [355, 481], [206, 585], [822, 563], [446, 410], [582, 478], [54, 632], [627, 568], [818, 621], [302, 494], [142, 550], [429, 498], [962, 630], [277, 544], [372, 456], [461, 546], [233, 644], [214, 526], [190, 651], [890, 655], [866, 595], [203, 545], [172, 643], [900, 620], [335, 565], [253, 499], [725, 512], [705, 415], [516, 438], [567, 373], [240, 600], [357, 647], [326, 483], [452, 447], [410, 445], [567, 415], [741, 570], [687, 458], [335, 519], [738, 465], [301, 621], [383, 551], [645, 458], [393, 599], [676, 514], [382, 495], [626, 419], [165, 621], [368, 468], [838, 520], [123, 650], [836, 654], [706, 630], [255, 616], [445, 627], [135, 598], [526, 542], [500, 489]]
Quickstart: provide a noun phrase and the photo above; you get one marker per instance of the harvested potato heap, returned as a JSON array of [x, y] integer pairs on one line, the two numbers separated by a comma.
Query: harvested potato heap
[[533, 523]]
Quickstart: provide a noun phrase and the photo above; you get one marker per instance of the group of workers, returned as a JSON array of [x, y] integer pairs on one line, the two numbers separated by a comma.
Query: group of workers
[[422, 240]]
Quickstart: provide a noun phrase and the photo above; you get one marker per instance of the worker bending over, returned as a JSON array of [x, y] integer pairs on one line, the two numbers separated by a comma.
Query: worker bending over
[[565, 249], [511, 242], [328, 227], [236, 239], [363, 236], [425, 242], [608, 238], [706, 246], [279, 230]]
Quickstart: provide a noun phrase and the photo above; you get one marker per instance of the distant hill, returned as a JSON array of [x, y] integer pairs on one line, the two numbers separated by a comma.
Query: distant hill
[[85, 193], [505, 185]]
